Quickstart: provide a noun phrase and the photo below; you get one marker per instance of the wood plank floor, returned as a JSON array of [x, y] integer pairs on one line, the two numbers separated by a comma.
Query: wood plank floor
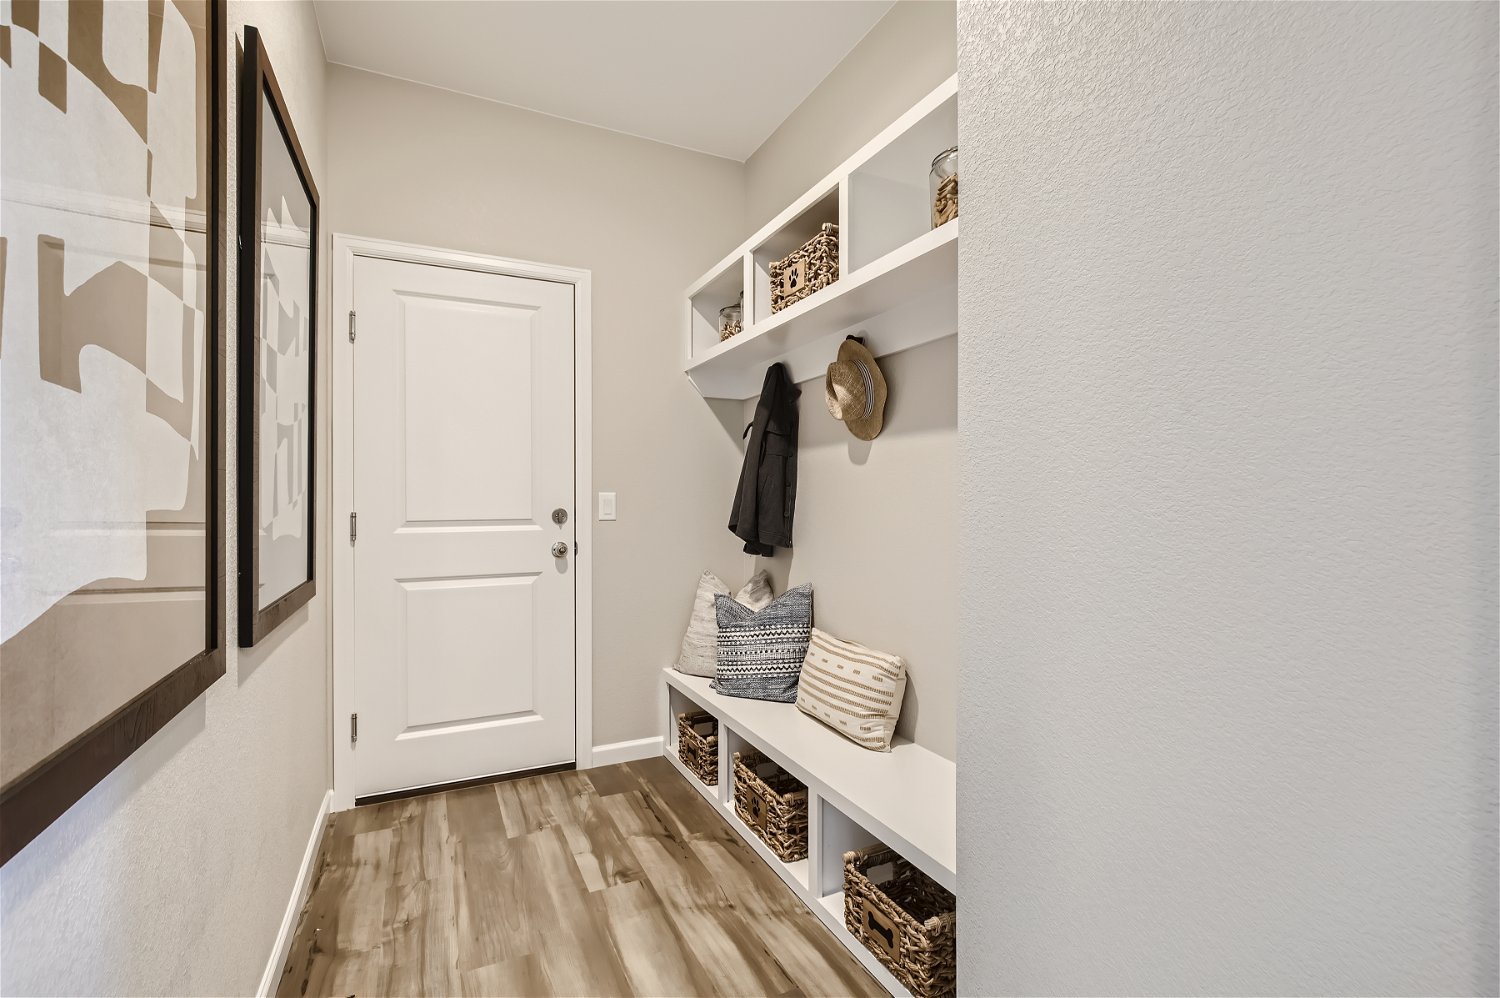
[[620, 880]]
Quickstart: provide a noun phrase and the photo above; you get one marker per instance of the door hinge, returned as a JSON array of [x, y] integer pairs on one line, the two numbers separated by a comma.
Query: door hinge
[[351, 325], [353, 728], [353, 527]]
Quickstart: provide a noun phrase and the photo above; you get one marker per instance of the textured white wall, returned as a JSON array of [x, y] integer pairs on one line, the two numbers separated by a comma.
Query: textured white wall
[[171, 876], [876, 522], [421, 165], [1227, 374]]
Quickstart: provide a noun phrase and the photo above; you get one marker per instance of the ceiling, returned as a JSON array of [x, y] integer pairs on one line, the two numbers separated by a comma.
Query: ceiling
[[717, 76]]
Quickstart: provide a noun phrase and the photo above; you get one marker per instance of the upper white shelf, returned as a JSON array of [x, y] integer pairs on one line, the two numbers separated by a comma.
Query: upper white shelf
[[906, 298], [898, 284]]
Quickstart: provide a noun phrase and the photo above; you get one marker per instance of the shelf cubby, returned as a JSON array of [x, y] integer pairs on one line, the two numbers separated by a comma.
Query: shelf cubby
[[796, 873], [890, 200], [787, 237], [679, 703], [717, 289], [837, 833]]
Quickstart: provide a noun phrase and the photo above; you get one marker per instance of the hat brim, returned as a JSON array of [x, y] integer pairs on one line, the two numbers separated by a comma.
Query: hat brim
[[869, 427]]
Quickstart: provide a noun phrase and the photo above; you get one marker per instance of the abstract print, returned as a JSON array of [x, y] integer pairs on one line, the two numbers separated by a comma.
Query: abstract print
[[278, 365], [284, 510], [106, 450]]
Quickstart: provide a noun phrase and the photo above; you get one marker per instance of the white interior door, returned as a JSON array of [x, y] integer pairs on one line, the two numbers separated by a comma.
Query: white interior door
[[464, 596]]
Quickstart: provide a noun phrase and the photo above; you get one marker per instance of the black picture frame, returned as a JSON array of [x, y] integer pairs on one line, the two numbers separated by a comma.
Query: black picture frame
[[38, 797], [260, 92]]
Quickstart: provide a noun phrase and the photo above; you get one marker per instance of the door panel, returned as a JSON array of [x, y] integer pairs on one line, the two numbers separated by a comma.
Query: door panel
[[468, 366], [451, 627], [464, 655]]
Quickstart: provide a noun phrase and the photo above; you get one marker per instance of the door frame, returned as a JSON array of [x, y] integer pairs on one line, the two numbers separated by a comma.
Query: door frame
[[346, 249]]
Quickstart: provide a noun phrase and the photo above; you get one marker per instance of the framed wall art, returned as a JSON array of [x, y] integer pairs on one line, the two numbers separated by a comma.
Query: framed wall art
[[278, 266], [111, 454]]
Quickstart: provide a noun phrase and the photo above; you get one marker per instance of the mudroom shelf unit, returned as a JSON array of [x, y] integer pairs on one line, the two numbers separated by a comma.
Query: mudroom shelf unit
[[898, 276], [906, 799]]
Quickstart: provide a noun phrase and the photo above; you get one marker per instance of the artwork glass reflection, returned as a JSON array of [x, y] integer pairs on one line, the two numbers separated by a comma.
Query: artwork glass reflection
[[109, 387]]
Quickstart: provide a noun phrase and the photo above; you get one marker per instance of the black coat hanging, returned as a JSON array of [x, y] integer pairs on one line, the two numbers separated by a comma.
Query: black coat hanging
[[767, 493]]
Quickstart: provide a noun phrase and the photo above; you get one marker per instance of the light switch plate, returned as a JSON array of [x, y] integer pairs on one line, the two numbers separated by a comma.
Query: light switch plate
[[606, 505]]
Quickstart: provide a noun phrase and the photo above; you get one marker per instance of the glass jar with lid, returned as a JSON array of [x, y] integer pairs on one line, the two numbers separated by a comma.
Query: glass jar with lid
[[943, 182], [730, 320]]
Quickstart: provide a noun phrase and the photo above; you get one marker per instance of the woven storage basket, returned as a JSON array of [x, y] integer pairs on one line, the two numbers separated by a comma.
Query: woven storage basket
[[945, 203], [905, 919], [698, 745], [773, 803], [810, 268]]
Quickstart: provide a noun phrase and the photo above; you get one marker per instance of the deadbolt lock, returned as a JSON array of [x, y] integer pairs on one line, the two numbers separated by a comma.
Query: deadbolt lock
[[559, 516]]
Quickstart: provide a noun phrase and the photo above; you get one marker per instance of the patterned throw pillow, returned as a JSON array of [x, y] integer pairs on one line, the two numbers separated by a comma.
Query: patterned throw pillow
[[854, 690], [761, 651], [700, 651]]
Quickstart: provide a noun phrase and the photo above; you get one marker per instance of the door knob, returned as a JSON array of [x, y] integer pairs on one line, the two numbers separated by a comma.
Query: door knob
[[560, 550]]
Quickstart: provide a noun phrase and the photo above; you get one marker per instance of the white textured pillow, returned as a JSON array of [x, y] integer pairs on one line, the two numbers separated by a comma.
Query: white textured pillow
[[756, 594], [700, 645], [854, 690]]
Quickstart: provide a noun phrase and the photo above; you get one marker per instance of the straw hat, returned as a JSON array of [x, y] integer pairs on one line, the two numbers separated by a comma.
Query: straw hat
[[855, 390]]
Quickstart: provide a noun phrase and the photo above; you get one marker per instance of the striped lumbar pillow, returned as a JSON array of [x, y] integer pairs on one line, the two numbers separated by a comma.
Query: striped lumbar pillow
[[854, 690], [761, 651], [700, 645]]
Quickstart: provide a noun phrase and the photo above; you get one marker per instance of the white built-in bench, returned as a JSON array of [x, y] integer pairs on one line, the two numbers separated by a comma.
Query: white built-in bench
[[906, 798]]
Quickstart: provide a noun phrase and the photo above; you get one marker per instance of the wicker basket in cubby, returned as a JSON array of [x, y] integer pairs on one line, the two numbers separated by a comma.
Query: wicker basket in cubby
[[905, 918], [773, 803], [698, 745], [811, 267]]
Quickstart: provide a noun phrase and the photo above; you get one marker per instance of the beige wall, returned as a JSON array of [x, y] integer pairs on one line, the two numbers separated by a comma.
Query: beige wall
[[908, 53], [875, 531], [421, 165], [172, 875], [1228, 394]]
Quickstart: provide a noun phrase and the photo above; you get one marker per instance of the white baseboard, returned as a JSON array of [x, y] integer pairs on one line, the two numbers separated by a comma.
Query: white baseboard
[[640, 748], [294, 903]]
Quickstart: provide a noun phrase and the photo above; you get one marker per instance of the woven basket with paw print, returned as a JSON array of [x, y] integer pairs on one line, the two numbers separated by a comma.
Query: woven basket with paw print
[[808, 269]]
